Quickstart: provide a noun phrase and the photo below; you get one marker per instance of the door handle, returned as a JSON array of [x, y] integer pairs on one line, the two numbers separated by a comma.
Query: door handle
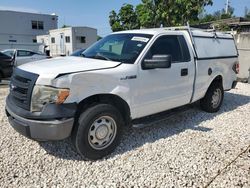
[[184, 72]]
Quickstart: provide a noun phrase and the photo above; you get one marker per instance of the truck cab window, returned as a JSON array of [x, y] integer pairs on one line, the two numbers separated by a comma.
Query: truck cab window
[[170, 45]]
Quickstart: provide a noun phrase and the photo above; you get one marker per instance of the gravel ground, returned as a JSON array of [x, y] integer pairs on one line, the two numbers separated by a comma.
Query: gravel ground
[[190, 149]]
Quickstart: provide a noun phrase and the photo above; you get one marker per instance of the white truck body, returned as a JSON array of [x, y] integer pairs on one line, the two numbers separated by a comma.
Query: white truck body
[[164, 88], [145, 92]]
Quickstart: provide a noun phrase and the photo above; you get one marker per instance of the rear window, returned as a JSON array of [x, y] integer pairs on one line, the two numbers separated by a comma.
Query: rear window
[[9, 53], [2, 55]]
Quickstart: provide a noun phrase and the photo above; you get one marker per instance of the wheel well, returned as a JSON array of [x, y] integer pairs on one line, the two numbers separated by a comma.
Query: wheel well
[[218, 79], [112, 99]]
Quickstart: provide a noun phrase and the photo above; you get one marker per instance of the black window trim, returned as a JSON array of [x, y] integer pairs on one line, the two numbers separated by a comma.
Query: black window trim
[[37, 25], [53, 40], [34, 24], [182, 49], [67, 39], [40, 25], [213, 37], [162, 35]]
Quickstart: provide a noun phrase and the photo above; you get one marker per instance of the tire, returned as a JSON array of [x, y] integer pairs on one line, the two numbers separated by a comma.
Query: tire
[[98, 131], [1, 76], [213, 99]]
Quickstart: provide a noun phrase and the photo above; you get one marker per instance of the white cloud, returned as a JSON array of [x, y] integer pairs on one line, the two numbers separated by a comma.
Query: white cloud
[[19, 9]]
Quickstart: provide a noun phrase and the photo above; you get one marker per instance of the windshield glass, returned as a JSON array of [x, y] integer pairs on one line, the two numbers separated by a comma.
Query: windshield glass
[[9, 53], [124, 48]]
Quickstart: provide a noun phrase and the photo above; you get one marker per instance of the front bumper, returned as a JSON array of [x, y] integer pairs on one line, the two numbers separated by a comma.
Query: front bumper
[[41, 130]]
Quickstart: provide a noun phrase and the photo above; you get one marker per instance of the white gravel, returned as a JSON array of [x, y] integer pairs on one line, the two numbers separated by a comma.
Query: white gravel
[[191, 149]]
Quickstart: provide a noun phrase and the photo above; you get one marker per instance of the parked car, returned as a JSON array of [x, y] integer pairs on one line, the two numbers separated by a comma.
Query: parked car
[[24, 56], [121, 80], [6, 66], [78, 52]]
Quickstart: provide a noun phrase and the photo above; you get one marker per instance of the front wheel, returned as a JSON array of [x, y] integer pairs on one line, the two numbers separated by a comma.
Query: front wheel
[[98, 131], [213, 99]]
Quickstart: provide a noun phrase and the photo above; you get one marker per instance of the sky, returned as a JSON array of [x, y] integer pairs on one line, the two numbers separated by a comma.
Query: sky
[[94, 13]]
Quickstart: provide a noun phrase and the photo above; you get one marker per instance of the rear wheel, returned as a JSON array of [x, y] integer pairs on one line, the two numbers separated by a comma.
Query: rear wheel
[[98, 131], [213, 98]]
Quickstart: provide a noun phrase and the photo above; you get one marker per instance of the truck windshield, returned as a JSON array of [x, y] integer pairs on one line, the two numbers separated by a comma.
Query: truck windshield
[[123, 48]]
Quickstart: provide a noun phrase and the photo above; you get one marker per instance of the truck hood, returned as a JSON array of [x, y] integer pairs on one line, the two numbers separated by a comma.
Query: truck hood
[[63, 65]]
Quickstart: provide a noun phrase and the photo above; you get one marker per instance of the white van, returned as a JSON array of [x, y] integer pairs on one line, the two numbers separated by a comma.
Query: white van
[[118, 81]]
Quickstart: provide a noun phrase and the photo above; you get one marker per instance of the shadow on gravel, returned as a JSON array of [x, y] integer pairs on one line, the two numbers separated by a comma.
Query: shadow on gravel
[[190, 118]]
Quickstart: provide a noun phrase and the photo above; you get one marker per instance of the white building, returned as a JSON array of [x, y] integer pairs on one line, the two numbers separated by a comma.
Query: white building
[[66, 40], [19, 29]]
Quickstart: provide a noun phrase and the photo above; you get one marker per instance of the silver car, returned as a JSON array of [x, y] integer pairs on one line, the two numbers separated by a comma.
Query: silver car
[[24, 56]]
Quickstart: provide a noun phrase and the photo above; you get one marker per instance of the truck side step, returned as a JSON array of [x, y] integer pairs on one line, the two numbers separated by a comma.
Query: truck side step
[[156, 118]]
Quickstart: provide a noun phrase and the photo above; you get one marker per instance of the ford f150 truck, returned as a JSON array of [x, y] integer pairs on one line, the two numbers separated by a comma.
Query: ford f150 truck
[[124, 77]]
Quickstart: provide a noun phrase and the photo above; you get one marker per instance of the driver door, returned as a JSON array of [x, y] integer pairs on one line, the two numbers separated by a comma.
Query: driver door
[[165, 88]]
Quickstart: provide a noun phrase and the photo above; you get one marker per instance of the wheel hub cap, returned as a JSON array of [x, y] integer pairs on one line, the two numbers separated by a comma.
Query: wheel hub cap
[[101, 132], [216, 98]]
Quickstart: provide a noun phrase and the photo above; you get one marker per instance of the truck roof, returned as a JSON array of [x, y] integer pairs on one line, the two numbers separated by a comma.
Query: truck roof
[[196, 32]]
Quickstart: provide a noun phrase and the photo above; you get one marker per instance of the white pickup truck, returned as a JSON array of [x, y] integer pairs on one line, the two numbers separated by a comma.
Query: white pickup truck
[[119, 80]]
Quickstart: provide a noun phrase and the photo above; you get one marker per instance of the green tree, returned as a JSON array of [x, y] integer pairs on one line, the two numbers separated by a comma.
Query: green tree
[[247, 13], [114, 21], [146, 14], [156, 13], [227, 15], [207, 18], [65, 26], [126, 19], [217, 15]]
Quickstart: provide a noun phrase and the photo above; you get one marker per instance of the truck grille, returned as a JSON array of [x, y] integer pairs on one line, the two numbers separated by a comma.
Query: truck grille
[[21, 86]]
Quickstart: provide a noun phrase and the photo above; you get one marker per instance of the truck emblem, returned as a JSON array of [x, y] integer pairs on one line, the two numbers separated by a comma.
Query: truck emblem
[[129, 77]]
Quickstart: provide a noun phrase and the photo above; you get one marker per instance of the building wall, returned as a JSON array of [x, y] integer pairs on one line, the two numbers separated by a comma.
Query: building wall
[[62, 47], [90, 35], [36, 47], [44, 39], [16, 27], [243, 44]]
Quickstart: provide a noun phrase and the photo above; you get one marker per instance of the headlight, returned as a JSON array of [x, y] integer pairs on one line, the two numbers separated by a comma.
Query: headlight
[[44, 95]]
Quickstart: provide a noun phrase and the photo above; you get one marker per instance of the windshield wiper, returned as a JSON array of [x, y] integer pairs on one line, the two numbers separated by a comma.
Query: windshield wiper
[[100, 56]]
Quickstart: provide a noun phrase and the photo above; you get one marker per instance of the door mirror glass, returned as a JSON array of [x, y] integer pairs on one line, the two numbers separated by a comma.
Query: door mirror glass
[[157, 62]]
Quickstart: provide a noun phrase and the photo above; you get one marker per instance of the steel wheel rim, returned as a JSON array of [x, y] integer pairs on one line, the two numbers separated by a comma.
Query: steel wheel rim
[[102, 132], [216, 98]]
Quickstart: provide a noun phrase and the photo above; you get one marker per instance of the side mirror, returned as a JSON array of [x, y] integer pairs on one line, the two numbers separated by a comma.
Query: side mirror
[[157, 62]]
